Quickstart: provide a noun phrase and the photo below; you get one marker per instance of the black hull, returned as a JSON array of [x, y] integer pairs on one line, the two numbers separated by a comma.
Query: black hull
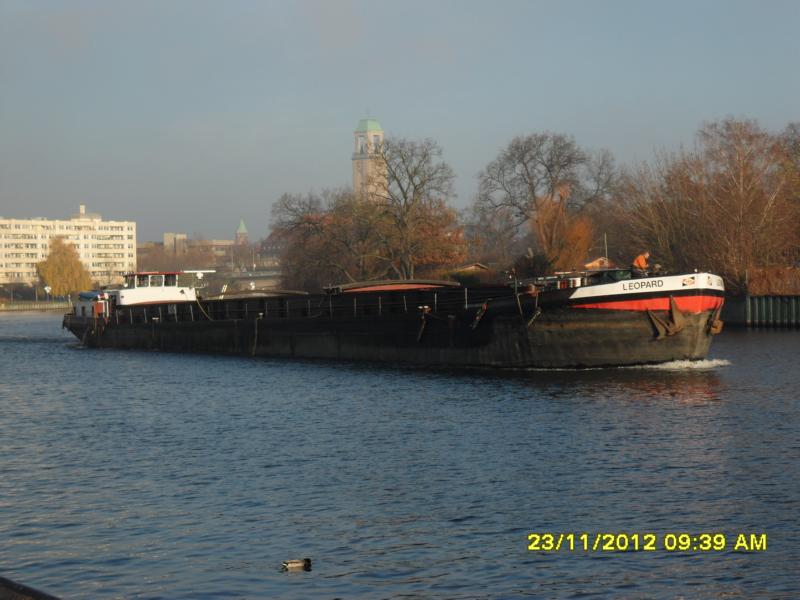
[[505, 336]]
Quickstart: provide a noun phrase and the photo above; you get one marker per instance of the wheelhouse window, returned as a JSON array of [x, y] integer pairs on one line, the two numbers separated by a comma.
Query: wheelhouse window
[[142, 281], [171, 280], [156, 280]]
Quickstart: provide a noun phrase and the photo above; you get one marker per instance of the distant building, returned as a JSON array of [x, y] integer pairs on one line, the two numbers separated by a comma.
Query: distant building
[[369, 170], [178, 249], [241, 233], [221, 250], [176, 243], [271, 248], [106, 248]]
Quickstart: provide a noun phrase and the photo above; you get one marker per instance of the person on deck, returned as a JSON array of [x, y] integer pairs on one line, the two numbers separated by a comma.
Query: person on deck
[[640, 264]]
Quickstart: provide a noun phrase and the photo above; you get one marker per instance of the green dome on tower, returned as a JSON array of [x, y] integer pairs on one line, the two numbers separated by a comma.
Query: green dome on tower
[[368, 125], [242, 228]]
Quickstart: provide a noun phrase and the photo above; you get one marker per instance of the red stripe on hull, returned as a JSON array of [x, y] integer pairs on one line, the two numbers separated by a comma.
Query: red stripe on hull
[[690, 304]]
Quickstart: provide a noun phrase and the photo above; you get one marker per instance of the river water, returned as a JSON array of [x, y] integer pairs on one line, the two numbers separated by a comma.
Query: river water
[[146, 475]]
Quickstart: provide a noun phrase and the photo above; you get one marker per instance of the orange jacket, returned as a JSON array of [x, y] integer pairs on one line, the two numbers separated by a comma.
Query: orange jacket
[[640, 262]]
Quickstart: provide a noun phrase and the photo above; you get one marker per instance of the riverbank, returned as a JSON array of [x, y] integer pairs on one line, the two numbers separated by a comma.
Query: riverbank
[[762, 311], [34, 306]]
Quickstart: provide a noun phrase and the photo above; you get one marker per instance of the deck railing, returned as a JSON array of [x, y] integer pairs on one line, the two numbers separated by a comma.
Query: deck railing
[[329, 306]]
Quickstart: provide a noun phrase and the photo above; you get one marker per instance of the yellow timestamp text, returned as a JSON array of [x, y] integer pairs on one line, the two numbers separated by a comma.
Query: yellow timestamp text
[[646, 542]]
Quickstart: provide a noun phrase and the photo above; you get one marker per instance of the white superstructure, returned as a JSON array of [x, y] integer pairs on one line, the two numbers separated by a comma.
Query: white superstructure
[[152, 288], [140, 289]]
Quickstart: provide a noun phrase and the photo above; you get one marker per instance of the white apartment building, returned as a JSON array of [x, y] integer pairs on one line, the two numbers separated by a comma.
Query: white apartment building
[[106, 248]]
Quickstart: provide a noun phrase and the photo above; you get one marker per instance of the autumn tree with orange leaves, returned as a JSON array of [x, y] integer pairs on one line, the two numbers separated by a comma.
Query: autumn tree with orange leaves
[[547, 180], [331, 238], [421, 230], [730, 206], [63, 270], [402, 226]]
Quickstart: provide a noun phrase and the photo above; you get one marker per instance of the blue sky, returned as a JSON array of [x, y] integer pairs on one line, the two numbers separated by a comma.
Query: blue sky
[[187, 115]]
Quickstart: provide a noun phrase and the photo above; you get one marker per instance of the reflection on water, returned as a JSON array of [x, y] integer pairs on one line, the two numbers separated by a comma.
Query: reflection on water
[[133, 474]]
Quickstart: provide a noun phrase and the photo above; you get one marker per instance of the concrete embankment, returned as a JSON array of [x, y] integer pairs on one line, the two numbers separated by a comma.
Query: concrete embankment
[[29, 305], [762, 311]]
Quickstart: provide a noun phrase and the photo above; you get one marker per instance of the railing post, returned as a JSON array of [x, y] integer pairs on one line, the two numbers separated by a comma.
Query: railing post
[[747, 310]]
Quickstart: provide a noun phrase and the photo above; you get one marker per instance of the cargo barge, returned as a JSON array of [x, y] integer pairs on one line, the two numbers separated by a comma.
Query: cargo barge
[[569, 320]]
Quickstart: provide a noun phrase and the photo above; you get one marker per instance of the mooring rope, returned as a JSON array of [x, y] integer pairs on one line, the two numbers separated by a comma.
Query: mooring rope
[[203, 310]]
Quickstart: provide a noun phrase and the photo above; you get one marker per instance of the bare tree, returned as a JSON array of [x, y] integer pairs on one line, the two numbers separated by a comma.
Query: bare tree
[[412, 195], [293, 211], [791, 143], [726, 206], [330, 238], [402, 223], [790, 139], [544, 178], [492, 235]]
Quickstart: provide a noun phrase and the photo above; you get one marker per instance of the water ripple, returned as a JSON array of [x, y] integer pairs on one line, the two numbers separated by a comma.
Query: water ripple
[[146, 475]]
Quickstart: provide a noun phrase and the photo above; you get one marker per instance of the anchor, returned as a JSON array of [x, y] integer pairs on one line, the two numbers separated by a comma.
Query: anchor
[[714, 325], [675, 322]]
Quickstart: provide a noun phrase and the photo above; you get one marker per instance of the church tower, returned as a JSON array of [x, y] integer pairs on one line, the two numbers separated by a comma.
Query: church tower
[[369, 170], [241, 233]]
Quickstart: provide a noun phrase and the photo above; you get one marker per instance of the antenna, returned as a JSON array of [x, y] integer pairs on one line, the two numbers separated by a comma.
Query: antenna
[[605, 244]]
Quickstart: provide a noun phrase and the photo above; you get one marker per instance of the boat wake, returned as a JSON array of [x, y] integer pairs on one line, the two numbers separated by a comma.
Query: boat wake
[[687, 365], [673, 365]]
